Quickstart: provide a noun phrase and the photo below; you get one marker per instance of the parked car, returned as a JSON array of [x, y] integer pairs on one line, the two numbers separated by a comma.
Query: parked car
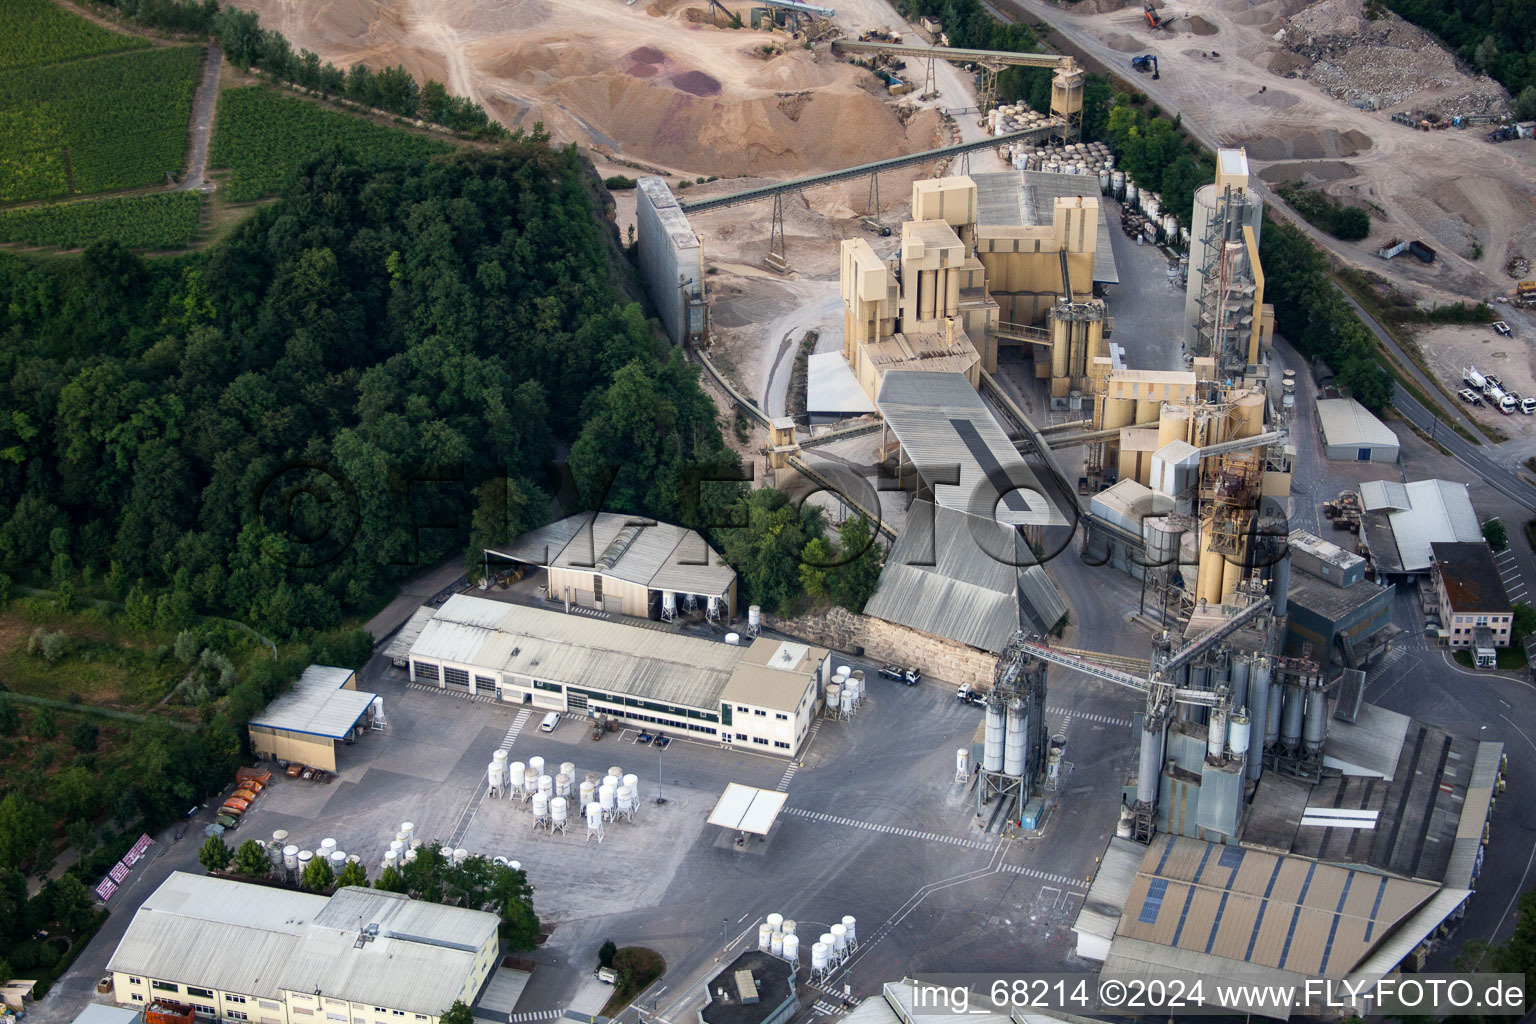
[[663, 741], [912, 676], [1501, 327], [644, 738], [295, 770], [1469, 396], [891, 672]]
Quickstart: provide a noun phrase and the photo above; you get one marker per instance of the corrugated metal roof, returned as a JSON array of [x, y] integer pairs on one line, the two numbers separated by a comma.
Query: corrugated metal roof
[[747, 809], [317, 706], [1439, 510], [944, 426], [1100, 912], [1384, 494], [100, 1013], [659, 556], [261, 941], [1370, 745], [1346, 423], [1027, 198], [952, 579], [572, 649], [831, 387], [1413, 931], [400, 644], [1269, 910]]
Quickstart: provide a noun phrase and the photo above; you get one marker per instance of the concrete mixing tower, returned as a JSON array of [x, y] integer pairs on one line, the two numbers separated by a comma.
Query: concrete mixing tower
[[1224, 311]]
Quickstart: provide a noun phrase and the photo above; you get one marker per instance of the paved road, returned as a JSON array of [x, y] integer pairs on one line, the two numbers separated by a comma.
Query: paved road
[[1481, 459], [202, 121]]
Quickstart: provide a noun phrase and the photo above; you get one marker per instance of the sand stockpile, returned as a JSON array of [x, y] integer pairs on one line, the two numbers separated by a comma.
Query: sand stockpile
[[1384, 62], [643, 81]]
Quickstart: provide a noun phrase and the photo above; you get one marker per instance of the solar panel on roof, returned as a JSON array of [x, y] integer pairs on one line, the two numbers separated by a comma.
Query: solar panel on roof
[[1154, 901]]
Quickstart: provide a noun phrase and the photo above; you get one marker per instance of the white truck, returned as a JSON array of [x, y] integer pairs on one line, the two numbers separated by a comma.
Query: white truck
[[1473, 379]]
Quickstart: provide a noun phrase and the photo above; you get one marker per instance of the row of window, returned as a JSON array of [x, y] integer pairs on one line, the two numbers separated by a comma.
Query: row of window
[[666, 722], [266, 1004], [455, 676]]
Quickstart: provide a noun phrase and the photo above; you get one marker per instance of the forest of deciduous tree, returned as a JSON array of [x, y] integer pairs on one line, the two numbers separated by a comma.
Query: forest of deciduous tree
[[365, 374]]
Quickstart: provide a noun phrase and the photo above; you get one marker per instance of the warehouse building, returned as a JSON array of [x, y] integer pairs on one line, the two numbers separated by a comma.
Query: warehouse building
[[671, 259], [304, 725], [1351, 434], [1401, 521], [1474, 609], [626, 565], [759, 696], [237, 951]]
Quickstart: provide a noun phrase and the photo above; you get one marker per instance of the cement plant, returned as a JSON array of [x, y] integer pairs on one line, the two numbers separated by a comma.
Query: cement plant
[[1183, 653]]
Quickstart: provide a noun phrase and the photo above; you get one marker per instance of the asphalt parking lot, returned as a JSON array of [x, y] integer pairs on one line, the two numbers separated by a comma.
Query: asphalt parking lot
[[876, 825]]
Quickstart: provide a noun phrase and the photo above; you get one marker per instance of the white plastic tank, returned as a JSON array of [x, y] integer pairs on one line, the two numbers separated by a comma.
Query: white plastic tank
[[754, 617], [606, 799], [391, 858], [1117, 182], [792, 948], [290, 857], [776, 943], [460, 856], [774, 921], [546, 785], [516, 773], [568, 768], [818, 956], [499, 861], [557, 810], [615, 772], [305, 856], [827, 939], [338, 861], [396, 847], [280, 837], [562, 785], [1104, 181], [515, 865], [668, 604], [731, 638], [839, 937], [1216, 734], [962, 761], [624, 799], [541, 805], [764, 935], [500, 755], [353, 858], [327, 845], [594, 814], [845, 702], [834, 695], [788, 927], [1131, 194], [1170, 227], [587, 791], [996, 733], [536, 765], [530, 780], [410, 856], [849, 932], [400, 835], [1016, 743], [844, 671], [493, 779], [632, 781]]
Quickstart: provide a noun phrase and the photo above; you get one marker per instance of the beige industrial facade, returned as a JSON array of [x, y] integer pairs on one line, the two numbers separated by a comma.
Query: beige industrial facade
[[760, 695], [304, 724], [626, 564], [236, 951]]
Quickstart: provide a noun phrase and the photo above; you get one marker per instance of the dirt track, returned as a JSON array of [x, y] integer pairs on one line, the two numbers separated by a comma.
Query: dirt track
[[1450, 187]]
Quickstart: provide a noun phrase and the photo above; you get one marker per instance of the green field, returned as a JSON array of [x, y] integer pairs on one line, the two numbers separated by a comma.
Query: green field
[[162, 220], [95, 125], [261, 137], [34, 32]]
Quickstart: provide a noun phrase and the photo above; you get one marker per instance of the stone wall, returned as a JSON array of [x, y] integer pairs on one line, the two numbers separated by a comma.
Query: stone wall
[[840, 630]]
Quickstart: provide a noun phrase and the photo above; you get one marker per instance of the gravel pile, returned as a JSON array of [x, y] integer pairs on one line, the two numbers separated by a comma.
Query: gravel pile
[[1385, 63]]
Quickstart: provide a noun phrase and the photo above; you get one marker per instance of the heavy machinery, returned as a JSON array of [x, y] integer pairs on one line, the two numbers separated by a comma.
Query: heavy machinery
[[1145, 63], [1154, 20]]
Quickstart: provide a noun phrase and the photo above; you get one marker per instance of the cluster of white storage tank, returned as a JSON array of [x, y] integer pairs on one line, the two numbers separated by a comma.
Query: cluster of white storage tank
[[845, 692], [1160, 225], [596, 799], [777, 936]]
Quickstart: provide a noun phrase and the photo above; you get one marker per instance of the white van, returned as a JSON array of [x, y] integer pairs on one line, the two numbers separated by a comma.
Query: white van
[[550, 721]]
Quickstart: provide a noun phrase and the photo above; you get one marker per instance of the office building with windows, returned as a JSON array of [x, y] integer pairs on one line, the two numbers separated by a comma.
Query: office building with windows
[[237, 951], [760, 695]]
